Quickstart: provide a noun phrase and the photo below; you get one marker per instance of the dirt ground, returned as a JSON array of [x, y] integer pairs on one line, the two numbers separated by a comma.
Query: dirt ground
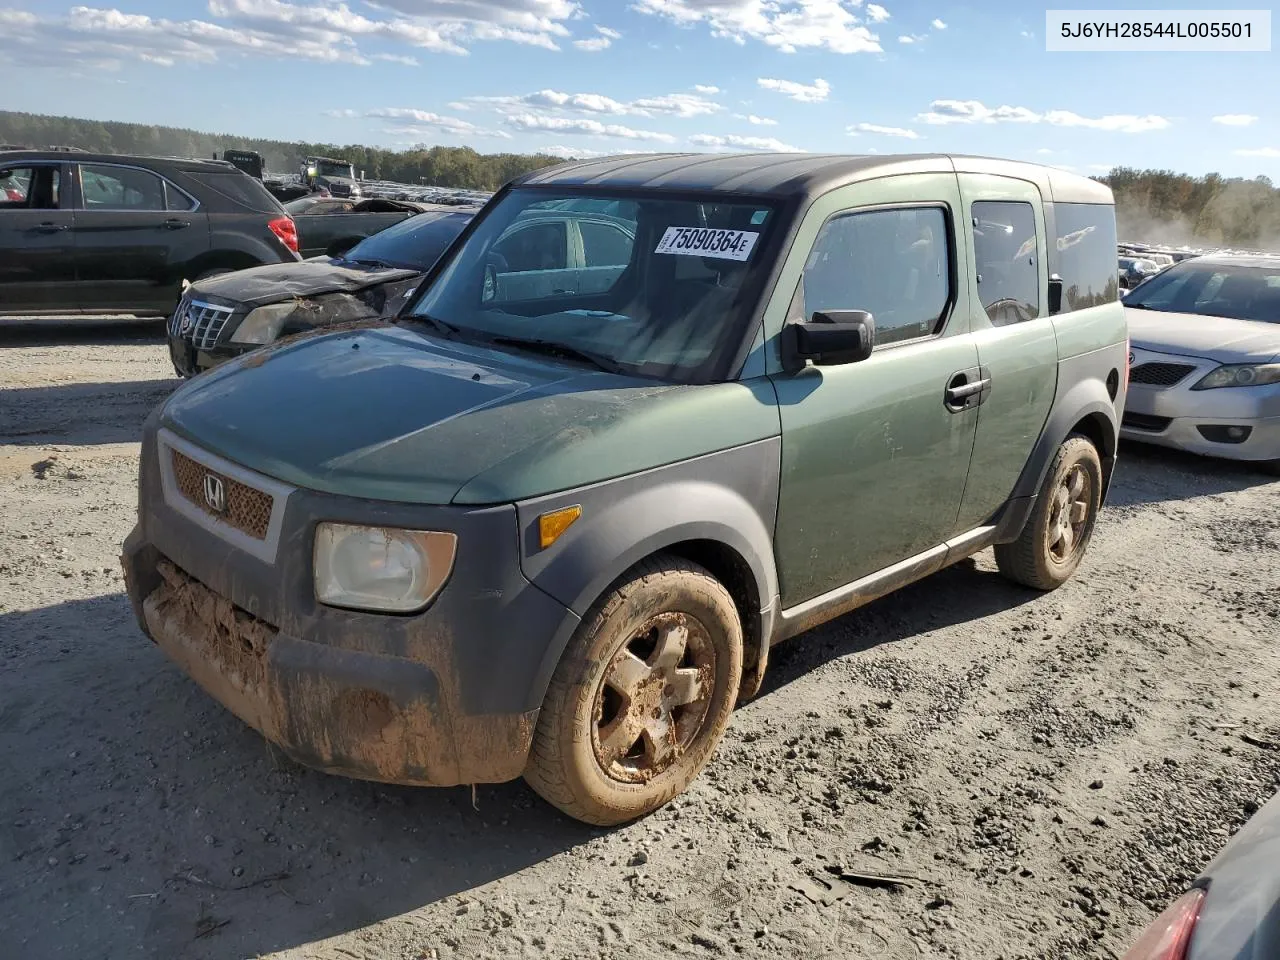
[[1047, 770]]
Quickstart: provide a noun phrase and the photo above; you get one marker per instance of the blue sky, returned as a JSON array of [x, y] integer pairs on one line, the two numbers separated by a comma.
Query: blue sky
[[584, 77]]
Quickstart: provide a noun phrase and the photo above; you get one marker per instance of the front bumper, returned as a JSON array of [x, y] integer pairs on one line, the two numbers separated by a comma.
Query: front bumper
[[446, 697], [1202, 421]]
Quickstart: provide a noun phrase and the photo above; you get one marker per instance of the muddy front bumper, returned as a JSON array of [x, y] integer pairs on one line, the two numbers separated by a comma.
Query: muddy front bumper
[[446, 697]]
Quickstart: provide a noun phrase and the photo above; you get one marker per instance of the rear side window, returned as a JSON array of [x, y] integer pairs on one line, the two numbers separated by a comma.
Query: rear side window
[[120, 188], [604, 244], [895, 264], [1008, 271], [1083, 254], [240, 188], [176, 199]]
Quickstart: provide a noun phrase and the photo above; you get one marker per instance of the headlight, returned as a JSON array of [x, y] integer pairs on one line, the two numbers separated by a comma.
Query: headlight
[[380, 568], [264, 324], [1240, 375]]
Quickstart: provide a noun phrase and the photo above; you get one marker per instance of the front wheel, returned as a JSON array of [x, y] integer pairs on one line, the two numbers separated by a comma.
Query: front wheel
[[1054, 540], [641, 696]]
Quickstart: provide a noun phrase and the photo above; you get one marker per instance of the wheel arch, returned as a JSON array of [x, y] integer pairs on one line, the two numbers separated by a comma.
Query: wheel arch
[[726, 527]]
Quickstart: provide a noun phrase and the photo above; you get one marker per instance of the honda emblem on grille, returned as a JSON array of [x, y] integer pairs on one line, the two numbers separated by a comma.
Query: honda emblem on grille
[[215, 493]]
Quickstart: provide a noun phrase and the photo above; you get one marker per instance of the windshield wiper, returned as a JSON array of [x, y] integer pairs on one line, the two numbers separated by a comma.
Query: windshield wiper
[[447, 329], [554, 349], [371, 262]]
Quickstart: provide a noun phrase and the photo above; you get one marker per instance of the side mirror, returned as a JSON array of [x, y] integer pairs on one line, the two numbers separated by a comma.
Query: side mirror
[[490, 289], [1055, 294], [835, 337]]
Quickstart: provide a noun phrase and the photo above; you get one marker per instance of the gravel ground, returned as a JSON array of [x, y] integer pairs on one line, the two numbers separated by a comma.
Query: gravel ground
[[1046, 770]]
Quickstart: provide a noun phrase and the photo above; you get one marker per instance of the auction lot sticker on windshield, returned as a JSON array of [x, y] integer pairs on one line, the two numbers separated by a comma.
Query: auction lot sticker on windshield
[[708, 242]]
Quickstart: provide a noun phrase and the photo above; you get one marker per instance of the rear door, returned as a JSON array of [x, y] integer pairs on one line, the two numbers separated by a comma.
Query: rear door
[[1017, 348], [133, 232], [37, 265]]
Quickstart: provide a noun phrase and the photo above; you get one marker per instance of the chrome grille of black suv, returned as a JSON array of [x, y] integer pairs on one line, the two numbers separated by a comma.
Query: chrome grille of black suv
[[199, 322]]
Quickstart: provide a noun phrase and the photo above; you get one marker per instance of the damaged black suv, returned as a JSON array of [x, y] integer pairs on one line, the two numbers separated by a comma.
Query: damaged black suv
[[224, 316]]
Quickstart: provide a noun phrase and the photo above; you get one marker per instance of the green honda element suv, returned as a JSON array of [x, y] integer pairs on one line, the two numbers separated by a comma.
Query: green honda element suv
[[549, 521]]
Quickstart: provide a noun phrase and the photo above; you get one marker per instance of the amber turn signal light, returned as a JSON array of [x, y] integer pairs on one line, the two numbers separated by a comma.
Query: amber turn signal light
[[552, 525]]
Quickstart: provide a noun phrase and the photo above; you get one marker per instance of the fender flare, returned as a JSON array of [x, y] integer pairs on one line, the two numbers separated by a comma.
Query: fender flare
[[1088, 401], [622, 531]]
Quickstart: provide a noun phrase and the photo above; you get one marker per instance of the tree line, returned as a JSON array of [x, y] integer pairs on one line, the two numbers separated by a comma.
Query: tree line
[[1158, 206], [434, 165]]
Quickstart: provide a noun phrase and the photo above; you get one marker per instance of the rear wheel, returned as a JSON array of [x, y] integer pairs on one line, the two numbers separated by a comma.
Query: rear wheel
[[641, 697], [1057, 533]]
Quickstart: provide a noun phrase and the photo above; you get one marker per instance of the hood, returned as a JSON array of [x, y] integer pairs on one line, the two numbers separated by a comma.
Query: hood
[[388, 413], [1212, 338], [278, 282]]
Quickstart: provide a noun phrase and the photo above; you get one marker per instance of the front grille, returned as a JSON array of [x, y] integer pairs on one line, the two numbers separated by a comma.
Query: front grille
[[201, 323], [247, 509], [1142, 421], [1160, 374]]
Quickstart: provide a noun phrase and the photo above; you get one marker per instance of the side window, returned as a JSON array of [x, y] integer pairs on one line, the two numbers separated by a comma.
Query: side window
[[1004, 243], [537, 246], [895, 264], [1083, 254], [175, 199], [30, 188], [605, 244], [120, 188]]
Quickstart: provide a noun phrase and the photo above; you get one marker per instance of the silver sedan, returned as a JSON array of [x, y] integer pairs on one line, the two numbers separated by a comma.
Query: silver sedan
[[1205, 359]]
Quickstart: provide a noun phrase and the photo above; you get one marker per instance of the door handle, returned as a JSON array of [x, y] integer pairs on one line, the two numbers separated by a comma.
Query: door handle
[[49, 227], [176, 224], [965, 391]]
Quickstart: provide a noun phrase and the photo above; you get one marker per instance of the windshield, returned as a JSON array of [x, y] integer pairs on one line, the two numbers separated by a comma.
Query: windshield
[[1235, 290], [657, 286], [415, 243], [329, 168]]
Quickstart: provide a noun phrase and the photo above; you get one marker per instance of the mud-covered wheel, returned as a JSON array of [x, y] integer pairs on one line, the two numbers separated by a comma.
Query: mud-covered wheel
[[641, 696], [1058, 531]]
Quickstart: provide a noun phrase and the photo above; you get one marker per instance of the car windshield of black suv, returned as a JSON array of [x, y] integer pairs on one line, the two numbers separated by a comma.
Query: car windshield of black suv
[[1234, 290], [655, 286]]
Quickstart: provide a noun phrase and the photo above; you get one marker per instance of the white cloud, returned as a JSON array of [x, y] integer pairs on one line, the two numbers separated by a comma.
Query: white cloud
[[816, 92], [877, 13], [706, 89], [766, 144], [973, 111], [1269, 152], [1102, 167], [938, 25], [875, 128], [1118, 122], [681, 105], [1044, 151], [752, 119], [584, 126], [1235, 119], [342, 114], [419, 122], [571, 153], [329, 32], [790, 26], [603, 41], [908, 38]]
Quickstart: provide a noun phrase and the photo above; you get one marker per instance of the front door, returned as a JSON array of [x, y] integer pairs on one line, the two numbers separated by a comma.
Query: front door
[[875, 453], [132, 231], [1017, 346], [37, 263]]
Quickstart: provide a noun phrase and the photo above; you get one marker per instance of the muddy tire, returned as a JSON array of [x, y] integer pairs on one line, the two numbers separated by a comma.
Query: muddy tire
[[641, 696], [1057, 533]]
